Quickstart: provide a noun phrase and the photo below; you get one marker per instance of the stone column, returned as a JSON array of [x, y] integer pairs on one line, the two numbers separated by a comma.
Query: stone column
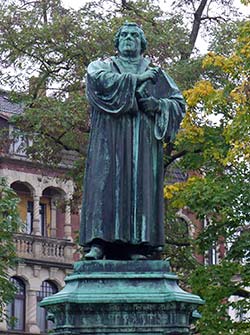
[[36, 216], [67, 223], [31, 316], [53, 218]]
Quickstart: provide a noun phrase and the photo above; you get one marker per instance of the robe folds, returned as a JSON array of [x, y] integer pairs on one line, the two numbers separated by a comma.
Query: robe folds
[[123, 184]]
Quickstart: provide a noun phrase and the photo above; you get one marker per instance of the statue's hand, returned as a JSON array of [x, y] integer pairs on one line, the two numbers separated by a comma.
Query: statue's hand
[[149, 104], [151, 74]]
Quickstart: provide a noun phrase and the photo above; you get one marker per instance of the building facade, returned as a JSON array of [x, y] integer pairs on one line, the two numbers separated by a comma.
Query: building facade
[[45, 243]]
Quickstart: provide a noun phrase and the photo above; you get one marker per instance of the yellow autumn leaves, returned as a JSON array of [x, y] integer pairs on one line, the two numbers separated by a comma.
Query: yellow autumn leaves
[[169, 190], [202, 90], [229, 102]]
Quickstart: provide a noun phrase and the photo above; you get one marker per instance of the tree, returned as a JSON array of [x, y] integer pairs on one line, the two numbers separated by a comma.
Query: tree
[[217, 128], [9, 225], [43, 39]]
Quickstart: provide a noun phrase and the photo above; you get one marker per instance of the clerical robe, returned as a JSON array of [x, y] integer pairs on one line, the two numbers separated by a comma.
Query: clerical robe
[[123, 184]]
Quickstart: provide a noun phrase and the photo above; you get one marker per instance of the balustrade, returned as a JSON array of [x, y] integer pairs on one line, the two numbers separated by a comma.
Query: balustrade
[[51, 250]]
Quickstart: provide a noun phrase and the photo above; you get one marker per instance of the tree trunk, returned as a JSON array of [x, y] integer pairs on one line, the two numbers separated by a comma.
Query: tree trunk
[[195, 29]]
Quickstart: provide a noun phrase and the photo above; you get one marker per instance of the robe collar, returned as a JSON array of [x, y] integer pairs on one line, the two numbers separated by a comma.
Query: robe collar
[[142, 63]]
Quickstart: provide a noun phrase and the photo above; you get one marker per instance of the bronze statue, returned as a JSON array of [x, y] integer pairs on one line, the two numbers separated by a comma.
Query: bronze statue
[[135, 107]]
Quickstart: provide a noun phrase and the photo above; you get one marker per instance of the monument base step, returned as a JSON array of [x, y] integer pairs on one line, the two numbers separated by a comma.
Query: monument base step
[[121, 297]]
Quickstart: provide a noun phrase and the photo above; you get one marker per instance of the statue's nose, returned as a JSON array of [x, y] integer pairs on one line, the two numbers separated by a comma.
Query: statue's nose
[[129, 36]]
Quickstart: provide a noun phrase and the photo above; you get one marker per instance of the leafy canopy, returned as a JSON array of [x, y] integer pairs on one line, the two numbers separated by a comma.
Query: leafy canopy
[[43, 39], [215, 143]]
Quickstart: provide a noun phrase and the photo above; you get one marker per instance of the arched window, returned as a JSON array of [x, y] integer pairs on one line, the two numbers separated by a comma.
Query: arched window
[[47, 288], [16, 309]]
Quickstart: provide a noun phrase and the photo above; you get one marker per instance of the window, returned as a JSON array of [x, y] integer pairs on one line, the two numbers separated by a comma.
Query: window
[[20, 142], [212, 256], [47, 288], [16, 309]]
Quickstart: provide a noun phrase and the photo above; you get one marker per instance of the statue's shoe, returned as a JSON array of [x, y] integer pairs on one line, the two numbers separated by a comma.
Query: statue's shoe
[[137, 257], [96, 252]]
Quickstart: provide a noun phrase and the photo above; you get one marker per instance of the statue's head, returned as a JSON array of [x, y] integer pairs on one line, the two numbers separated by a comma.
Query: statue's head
[[130, 38]]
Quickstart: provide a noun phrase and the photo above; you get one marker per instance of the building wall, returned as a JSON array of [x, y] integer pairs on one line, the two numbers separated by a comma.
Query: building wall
[[47, 258], [33, 275]]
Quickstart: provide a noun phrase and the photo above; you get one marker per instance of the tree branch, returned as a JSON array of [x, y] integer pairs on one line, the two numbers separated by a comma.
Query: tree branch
[[180, 154], [58, 141], [195, 29], [179, 244], [130, 7], [214, 18]]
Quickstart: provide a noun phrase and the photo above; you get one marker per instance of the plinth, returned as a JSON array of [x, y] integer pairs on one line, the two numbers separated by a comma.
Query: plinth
[[121, 297]]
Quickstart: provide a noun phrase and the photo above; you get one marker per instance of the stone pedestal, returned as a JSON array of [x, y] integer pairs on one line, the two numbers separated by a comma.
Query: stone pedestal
[[121, 297]]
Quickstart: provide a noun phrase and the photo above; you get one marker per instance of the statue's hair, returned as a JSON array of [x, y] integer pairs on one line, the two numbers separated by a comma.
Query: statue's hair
[[141, 32]]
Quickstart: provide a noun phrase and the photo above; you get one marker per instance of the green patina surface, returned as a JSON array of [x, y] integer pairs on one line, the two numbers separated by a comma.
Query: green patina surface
[[118, 282], [135, 107], [107, 297]]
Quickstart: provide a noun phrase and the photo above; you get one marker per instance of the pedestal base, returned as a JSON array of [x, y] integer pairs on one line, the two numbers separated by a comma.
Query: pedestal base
[[121, 297]]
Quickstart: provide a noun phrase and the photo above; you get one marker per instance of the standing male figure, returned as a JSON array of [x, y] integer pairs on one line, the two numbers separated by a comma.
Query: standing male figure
[[134, 108]]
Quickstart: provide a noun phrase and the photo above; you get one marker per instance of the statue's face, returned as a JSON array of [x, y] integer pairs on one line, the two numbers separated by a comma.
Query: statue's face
[[130, 41]]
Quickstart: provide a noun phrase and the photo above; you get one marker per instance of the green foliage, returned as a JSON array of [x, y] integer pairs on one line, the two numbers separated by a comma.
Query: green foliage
[[215, 143], [219, 284], [9, 224], [186, 72], [224, 37], [43, 39]]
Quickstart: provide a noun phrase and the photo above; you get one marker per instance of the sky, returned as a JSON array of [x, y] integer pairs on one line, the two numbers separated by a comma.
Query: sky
[[78, 3], [201, 43]]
